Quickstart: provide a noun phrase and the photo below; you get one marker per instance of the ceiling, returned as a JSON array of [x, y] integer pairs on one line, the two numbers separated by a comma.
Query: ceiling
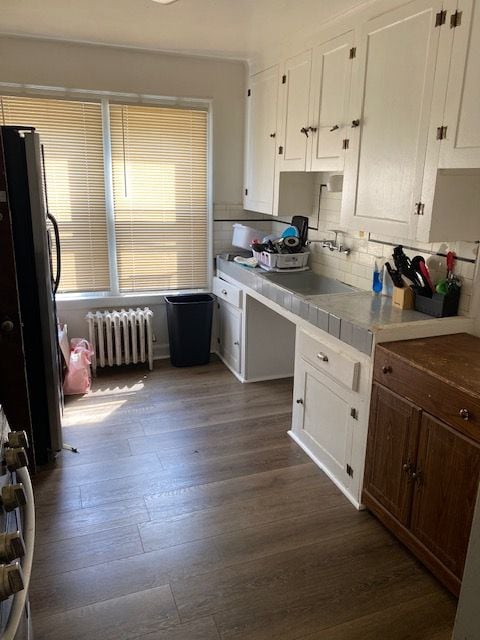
[[240, 29]]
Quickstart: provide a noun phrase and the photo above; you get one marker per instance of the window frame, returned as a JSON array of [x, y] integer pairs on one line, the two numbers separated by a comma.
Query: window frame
[[114, 296]]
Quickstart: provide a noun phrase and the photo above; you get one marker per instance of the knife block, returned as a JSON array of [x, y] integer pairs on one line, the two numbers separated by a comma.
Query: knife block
[[403, 298]]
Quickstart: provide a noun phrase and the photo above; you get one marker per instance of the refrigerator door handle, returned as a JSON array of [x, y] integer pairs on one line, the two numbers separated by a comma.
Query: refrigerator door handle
[[56, 280]]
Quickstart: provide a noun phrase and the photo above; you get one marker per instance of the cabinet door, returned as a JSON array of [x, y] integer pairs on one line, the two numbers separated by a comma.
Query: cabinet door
[[461, 147], [261, 141], [295, 95], [229, 334], [322, 420], [446, 485], [391, 451], [330, 94], [393, 95]]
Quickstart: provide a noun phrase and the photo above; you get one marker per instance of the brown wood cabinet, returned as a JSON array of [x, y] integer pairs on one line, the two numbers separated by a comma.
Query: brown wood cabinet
[[422, 471]]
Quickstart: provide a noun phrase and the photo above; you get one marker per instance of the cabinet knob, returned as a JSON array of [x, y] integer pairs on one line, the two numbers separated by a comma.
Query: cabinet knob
[[322, 356], [335, 127], [305, 131], [386, 368], [272, 135], [464, 414], [225, 292], [312, 129], [355, 123], [236, 343], [417, 477], [299, 401]]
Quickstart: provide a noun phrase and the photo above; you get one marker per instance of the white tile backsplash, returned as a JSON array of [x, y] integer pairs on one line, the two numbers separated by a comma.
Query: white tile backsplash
[[225, 216], [356, 268]]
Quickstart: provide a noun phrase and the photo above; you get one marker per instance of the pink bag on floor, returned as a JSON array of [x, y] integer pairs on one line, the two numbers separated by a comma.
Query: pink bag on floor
[[77, 380]]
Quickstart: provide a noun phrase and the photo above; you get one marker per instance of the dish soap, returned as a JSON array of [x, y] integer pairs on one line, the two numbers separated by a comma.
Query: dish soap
[[377, 283]]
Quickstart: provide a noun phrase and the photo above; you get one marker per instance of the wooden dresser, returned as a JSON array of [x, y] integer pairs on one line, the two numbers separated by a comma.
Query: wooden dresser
[[423, 452]]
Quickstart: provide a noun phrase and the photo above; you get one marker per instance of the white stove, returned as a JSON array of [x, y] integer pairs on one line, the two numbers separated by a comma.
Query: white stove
[[17, 534]]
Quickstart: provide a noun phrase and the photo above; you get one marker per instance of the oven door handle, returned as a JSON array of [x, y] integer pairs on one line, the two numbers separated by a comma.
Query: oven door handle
[[20, 598]]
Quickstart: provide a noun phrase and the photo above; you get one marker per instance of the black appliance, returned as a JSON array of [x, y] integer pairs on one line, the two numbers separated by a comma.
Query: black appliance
[[36, 285]]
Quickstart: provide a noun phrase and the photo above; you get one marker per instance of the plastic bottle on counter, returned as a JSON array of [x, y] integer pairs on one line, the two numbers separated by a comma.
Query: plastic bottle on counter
[[377, 281]]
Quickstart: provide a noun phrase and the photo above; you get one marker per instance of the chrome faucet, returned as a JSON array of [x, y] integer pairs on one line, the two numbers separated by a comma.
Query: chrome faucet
[[332, 245]]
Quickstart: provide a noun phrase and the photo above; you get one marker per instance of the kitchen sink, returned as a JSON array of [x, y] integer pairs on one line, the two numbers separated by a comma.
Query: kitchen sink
[[307, 283]]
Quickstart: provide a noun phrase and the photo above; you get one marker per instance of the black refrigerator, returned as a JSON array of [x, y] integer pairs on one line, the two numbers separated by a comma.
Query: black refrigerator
[[30, 332]]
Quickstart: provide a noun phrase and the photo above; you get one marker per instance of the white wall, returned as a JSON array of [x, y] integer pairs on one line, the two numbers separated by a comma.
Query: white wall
[[99, 68]]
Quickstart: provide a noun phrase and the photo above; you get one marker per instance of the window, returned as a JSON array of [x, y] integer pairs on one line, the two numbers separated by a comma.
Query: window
[[159, 163], [156, 159], [71, 133]]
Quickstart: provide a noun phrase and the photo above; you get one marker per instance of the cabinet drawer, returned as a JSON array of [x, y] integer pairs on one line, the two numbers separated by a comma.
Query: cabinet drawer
[[329, 360], [227, 292], [454, 406]]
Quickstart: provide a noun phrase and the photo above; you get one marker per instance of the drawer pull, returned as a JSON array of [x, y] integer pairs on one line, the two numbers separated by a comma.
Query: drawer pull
[[386, 368], [299, 401], [417, 477], [236, 343], [225, 292], [322, 356], [464, 414]]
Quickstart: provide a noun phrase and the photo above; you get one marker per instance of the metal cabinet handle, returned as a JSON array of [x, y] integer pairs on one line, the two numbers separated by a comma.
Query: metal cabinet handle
[[355, 123], [386, 368], [7, 326], [464, 414], [322, 356], [335, 127], [417, 477], [236, 343], [272, 135], [313, 129], [305, 130], [225, 292], [299, 401]]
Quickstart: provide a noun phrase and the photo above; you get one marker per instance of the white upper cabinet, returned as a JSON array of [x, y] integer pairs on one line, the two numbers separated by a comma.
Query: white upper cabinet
[[295, 126], [329, 103], [392, 100], [461, 146], [262, 102], [314, 96]]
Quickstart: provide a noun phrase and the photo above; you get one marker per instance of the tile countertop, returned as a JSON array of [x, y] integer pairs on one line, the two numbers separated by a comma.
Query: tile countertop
[[352, 317]]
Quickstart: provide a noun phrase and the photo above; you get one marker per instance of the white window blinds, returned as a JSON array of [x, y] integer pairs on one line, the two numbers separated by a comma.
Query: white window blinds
[[71, 133], [159, 162]]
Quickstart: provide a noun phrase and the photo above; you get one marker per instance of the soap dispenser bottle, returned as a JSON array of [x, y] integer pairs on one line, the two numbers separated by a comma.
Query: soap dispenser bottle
[[377, 281]]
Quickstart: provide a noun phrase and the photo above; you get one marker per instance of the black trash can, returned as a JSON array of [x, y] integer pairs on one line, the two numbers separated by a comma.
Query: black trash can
[[189, 318]]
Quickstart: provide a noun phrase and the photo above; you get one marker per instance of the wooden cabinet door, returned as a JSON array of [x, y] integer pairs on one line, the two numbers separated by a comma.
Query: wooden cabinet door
[[391, 451], [446, 485], [295, 95], [329, 103], [392, 100], [461, 147], [261, 141], [322, 420], [230, 334]]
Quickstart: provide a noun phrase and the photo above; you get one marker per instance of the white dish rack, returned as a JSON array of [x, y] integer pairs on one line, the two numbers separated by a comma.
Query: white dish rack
[[283, 261]]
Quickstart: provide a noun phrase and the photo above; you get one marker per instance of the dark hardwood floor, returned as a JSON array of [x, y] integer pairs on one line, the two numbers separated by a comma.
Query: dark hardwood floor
[[189, 514]]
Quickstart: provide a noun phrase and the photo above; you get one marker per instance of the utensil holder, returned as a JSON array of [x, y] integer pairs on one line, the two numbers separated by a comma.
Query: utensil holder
[[439, 305], [403, 298]]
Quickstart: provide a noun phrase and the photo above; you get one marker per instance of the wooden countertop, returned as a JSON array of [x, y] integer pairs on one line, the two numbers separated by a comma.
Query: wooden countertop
[[455, 359]]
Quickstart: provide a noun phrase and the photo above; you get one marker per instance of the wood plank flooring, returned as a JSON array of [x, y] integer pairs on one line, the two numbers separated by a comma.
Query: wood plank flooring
[[189, 514]]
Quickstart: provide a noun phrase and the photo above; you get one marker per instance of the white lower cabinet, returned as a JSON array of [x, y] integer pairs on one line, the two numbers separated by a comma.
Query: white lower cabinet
[[229, 335], [329, 417]]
